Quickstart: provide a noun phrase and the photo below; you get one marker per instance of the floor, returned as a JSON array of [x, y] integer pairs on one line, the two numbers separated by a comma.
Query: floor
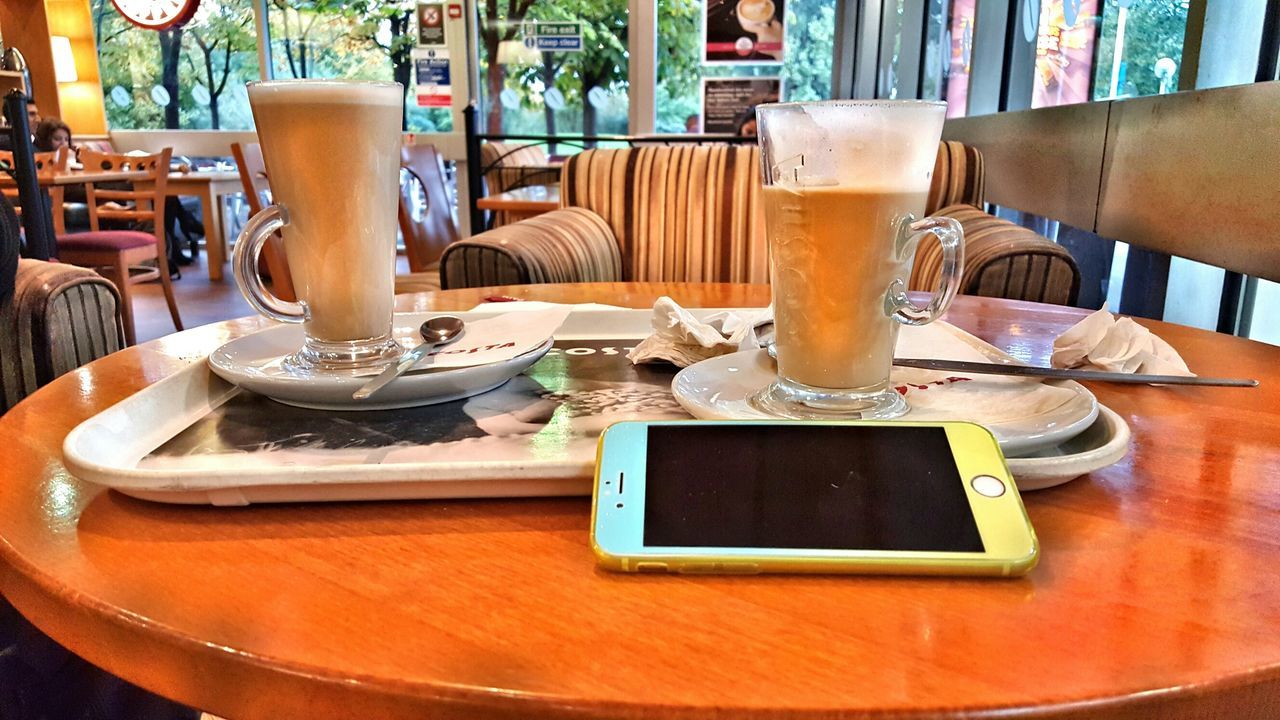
[[200, 300]]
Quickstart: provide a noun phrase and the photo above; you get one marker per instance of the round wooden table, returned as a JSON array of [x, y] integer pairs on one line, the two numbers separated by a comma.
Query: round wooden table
[[1156, 594]]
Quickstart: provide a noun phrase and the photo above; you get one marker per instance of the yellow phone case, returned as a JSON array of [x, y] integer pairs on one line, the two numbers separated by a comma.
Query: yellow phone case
[[1010, 543]]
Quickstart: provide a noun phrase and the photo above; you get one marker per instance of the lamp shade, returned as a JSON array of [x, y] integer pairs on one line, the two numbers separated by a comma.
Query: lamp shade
[[64, 63]]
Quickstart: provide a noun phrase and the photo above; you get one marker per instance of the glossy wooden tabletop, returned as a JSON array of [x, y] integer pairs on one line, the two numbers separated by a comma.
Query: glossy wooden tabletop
[[531, 199], [1156, 596]]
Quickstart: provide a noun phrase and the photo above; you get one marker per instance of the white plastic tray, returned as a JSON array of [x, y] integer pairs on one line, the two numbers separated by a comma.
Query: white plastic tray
[[193, 438]]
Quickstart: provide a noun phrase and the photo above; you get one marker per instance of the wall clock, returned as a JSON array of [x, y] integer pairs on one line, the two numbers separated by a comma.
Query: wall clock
[[157, 14]]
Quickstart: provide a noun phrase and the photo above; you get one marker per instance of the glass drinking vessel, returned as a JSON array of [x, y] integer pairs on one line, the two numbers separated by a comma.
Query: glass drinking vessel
[[844, 184], [332, 153]]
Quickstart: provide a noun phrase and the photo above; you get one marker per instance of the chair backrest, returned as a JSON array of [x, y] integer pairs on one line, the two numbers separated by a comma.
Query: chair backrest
[[1002, 259], [959, 177], [425, 238], [144, 203], [507, 166], [47, 163], [680, 214], [257, 189], [253, 175], [694, 212], [58, 318]]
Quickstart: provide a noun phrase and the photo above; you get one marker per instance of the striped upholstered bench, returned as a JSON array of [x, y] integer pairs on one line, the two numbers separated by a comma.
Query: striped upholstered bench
[[678, 214]]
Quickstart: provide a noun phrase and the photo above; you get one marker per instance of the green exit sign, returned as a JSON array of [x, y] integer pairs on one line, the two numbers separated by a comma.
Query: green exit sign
[[555, 29]]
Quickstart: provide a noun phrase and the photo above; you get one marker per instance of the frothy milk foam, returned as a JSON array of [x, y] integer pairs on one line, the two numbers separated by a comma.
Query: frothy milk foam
[[843, 182], [332, 154]]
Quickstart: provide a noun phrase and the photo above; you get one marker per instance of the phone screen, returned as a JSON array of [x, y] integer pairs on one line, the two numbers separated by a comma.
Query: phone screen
[[814, 487]]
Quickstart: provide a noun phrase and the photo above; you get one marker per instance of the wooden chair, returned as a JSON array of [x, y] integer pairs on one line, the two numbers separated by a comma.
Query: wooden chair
[[425, 238], [508, 166], [253, 176], [47, 163], [114, 251]]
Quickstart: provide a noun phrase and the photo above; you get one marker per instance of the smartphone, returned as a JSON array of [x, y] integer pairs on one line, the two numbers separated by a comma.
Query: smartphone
[[807, 497]]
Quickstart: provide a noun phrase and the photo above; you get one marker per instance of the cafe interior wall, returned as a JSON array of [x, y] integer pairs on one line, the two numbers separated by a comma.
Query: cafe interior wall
[[81, 101], [25, 26]]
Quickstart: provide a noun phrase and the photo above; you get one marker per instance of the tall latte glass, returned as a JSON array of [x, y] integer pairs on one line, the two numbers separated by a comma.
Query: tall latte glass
[[845, 182], [332, 152]]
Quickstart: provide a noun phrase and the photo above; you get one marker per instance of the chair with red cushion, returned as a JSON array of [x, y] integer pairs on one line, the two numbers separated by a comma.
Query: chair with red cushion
[[113, 252]]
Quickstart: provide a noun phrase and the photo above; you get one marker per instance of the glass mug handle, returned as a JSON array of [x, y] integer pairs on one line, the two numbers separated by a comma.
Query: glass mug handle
[[244, 263], [951, 236]]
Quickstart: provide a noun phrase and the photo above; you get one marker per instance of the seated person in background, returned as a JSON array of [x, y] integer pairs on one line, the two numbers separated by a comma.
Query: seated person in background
[[52, 134], [33, 119]]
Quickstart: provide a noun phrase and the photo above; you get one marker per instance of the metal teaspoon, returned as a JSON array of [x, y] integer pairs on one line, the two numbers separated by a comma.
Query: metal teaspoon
[[439, 330]]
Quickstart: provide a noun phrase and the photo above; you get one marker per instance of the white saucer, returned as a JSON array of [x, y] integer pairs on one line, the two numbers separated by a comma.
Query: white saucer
[[1104, 443], [253, 362], [720, 388]]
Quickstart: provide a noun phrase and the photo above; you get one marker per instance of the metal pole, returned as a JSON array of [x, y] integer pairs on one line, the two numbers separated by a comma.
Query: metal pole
[[37, 219], [474, 187]]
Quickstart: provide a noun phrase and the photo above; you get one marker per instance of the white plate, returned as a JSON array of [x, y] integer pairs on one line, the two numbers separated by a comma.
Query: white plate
[[1104, 443], [253, 362], [720, 388]]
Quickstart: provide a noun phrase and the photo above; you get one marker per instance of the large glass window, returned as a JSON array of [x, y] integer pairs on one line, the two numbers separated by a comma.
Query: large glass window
[[190, 78], [1064, 52], [528, 86], [958, 42], [1139, 48], [368, 40], [805, 70]]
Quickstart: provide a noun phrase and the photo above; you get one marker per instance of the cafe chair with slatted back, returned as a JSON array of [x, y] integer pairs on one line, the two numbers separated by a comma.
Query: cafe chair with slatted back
[[253, 177], [113, 252], [510, 166], [47, 163], [425, 237]]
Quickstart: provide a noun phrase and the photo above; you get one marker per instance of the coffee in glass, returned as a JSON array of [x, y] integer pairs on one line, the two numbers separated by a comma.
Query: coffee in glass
[[844, 184], [332, 154]]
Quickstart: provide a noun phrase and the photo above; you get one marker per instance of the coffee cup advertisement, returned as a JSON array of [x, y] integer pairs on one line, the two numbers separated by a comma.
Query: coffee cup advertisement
[[729, 104], [744, 31]]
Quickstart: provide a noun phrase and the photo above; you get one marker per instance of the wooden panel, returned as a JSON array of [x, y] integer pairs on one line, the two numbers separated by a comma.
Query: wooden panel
[[81, 101], [1046, 161], [25, 27], [1195, 175]]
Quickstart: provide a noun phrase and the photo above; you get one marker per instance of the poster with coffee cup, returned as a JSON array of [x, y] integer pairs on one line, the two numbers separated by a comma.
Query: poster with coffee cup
[[729, 104], [744, 31]]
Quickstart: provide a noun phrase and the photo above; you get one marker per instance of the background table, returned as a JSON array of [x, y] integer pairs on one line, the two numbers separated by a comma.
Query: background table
[[210, 187], [523, 202], [1156, 595]]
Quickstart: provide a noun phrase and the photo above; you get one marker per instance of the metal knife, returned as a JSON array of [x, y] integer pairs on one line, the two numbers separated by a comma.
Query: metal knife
[[1067, 374]]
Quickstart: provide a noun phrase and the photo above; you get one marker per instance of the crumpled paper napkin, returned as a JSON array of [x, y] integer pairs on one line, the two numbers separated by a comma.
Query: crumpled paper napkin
[[682, 340], [1104, 342]]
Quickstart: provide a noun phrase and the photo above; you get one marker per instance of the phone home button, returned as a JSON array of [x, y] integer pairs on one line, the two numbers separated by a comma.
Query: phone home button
[[987, 486]]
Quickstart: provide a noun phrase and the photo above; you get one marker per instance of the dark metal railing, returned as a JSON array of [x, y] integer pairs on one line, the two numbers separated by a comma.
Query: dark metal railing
[[477, 169], [37, 216]]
